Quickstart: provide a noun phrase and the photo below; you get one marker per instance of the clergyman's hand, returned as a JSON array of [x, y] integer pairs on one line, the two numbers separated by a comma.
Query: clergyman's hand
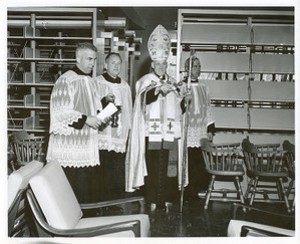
[[165, 89], [188, 97], [110, 98], [93, 122]]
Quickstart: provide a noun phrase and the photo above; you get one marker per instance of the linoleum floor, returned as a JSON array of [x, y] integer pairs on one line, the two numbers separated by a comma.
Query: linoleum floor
[[194, 221]]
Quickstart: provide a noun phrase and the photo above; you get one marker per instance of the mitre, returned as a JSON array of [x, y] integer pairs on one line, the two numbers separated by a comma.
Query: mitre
[[159, 44]]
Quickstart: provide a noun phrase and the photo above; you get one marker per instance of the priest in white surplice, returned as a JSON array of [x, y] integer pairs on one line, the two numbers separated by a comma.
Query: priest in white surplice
[[200, 125], [73, 140], [113, 135]]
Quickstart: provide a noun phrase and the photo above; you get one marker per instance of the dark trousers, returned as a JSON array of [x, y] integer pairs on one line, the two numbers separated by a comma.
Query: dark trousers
[[84, 182], [112, 172], [159, 188], [198, 176]]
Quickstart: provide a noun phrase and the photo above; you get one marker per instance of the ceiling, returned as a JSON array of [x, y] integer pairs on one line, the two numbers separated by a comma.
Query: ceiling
[[141, 17]]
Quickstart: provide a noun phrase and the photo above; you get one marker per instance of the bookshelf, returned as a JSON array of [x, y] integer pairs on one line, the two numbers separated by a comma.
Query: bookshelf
[[247, 62]]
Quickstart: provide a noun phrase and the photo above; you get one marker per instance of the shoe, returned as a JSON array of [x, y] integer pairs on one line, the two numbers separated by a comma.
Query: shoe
[[169, 206], [152, 207], [202, 194]]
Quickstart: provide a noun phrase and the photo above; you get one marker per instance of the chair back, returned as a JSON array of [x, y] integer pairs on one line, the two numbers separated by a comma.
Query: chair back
[[222, 158], [17, 184], [55, 197], [289, 148], [290, 162], [267, 170], [266, 159], [27, 147]]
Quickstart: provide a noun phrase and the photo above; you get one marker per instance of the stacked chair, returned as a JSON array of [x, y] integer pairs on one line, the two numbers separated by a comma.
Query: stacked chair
[[27, 147], [267, 171], [223, 163], [268, 167], [289, 148]]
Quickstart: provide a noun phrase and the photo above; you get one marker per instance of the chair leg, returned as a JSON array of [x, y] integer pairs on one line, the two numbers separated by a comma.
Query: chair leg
[[248, 189], [12, 164], [253, 191], [239, 189], [284, 195], [279, 191], [290, 187], [289, 191], [208, 193]]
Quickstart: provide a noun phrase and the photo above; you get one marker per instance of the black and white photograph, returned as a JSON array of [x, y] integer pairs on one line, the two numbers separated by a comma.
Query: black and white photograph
[[156, 121]]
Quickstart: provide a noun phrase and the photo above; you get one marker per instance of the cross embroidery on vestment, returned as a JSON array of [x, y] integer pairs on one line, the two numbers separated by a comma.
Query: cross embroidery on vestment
[[170, 125], [155, 126]]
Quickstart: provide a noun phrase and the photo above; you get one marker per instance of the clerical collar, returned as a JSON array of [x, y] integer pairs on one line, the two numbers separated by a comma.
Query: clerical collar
[[80, 72], [111, 79], [161, 77], [192, 81]]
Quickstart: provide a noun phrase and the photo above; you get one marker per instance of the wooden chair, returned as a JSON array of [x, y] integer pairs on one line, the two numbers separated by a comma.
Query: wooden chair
[[18, 208], [266, 169], [223, 164], [27, 147], [57, 212], [290, 160]]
